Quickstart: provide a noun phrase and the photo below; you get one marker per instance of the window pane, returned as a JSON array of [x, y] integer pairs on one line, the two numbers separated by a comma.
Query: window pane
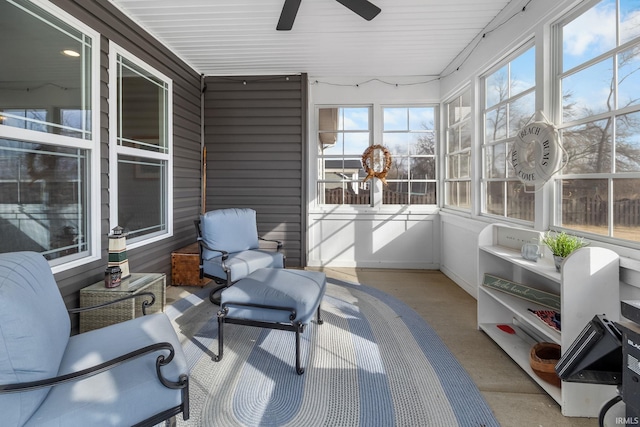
[[356, 143], [399, 168], [32, 119], [497, 87], [496, 124], [465, 165], [588, 147], [587, 92], [354, 119], [521, 111], [342, 168], [141, 195], [465, 105], [32, 96], [328, 119], [422, 143], [584, 205], [453, 141], [454, 167], [397, 143], [626, 209], [495, 161], [414, 193], [453, 111], [335, 148], [143, 103], [628, 143], [629, 27], [423, 168], [523, 72], [628, 77], [346, 193], [421, 119], [395, 119], [458, 194], [589, 35], [465, 136], [43, 190], [495, 198], [521, 203], [422, 193]]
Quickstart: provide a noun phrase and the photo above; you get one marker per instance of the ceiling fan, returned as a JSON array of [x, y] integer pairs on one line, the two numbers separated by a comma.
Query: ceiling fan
[[364, 8]]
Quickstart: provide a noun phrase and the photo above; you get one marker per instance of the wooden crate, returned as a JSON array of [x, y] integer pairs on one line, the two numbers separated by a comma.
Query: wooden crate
[[185, 267]]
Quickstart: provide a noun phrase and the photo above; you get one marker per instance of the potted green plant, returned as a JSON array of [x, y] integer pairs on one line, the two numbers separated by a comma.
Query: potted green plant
[[561, 245]]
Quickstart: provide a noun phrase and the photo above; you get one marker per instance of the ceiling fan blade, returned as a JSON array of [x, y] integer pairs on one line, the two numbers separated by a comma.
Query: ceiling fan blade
[[364, 8], [288, 15]]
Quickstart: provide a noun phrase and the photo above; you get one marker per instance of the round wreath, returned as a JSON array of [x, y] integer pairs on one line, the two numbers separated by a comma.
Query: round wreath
[[371, 157]]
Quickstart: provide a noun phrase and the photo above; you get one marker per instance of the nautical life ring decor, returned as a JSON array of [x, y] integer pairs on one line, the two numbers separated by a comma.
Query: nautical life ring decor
[[537, 153], [376, 161]]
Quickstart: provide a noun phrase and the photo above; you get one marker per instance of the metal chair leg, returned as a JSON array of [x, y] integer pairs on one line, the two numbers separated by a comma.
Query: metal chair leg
[[221, 314], [299, 330]]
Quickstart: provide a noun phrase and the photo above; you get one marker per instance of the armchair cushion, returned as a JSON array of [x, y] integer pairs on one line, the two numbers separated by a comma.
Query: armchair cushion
[[128, 392], [241, 264], [231, 230], [34, 331]]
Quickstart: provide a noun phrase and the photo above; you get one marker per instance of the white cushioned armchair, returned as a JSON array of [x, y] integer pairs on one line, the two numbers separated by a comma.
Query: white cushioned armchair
[[131, 373]]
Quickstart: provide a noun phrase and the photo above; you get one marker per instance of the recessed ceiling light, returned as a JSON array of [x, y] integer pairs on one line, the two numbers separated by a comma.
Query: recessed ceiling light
[[70, 52]]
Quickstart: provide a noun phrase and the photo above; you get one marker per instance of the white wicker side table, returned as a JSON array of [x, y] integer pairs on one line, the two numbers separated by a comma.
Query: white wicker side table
[[135, 284]]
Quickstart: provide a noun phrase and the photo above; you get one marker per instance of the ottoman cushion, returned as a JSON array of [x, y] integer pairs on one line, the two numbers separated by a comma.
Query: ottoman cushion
[[298, 290]]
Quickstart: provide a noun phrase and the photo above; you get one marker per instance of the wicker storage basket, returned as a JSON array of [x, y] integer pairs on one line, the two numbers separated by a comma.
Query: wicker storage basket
[[543, 359]]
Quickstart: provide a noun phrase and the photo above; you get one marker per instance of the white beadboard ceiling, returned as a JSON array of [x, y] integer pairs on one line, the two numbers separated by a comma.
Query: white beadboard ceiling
[[239, 37]]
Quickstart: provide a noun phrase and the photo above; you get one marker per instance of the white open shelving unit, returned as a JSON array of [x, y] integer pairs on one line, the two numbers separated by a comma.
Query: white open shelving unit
[[588, 285]]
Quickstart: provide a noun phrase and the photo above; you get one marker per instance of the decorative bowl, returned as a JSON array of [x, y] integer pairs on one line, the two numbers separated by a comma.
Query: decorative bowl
[[543, 359]]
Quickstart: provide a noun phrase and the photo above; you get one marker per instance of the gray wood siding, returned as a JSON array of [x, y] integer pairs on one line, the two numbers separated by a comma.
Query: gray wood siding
[[255, 139], [102, 16]]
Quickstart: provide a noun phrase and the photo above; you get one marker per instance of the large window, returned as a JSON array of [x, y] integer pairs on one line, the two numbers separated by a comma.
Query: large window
[[458, 152], [410, 135], [344, 133], [140, 176], [508, 104], [48, 164], [599, 78]]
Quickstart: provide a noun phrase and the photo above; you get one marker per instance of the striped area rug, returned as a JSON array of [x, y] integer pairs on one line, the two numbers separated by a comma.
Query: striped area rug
[[374, 362]]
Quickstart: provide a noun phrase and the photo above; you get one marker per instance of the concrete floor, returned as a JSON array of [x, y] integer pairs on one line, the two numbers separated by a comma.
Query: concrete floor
[[516, 400]]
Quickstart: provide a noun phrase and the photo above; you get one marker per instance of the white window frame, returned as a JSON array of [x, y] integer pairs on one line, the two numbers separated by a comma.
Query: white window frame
[[445, 151], [436, 134], [91, 145], [610, 176], [317, 180], [116, 149], [376, 132], [481, 185]]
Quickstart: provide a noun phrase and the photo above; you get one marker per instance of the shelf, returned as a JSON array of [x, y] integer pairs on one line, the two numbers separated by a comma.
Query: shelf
[[520, 308], [544, 267], [588, 285], [518, 346]]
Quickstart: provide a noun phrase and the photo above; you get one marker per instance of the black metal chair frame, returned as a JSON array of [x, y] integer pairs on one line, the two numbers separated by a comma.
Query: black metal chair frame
[[162, 360], [296, 327], [220, 281]]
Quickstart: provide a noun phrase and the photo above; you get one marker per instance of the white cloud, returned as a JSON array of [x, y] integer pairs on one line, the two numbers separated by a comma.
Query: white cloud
[[595, 30]]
